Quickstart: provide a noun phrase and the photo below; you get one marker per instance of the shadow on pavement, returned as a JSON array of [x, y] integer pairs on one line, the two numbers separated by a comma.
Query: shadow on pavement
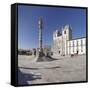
[[45, 58], [29, 68], [23, 78]]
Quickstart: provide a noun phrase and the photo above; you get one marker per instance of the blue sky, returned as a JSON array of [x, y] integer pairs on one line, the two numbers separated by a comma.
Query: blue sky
[[53, 19]]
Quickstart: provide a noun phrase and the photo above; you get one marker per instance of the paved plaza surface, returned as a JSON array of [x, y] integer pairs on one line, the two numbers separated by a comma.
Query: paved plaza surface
[[62, 69]]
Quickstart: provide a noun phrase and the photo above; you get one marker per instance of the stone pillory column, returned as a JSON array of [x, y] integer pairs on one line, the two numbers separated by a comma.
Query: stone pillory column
[[40, 33], [40, 26], [41, 55]]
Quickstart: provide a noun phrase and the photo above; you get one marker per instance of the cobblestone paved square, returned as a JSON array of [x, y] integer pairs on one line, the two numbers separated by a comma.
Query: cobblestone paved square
[[64, 69]]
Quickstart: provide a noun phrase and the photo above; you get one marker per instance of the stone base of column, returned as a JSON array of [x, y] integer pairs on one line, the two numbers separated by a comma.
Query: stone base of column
[[41, 54], [42, 57]]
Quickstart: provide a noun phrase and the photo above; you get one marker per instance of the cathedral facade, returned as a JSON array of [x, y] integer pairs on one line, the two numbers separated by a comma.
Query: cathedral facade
[[63, 44]]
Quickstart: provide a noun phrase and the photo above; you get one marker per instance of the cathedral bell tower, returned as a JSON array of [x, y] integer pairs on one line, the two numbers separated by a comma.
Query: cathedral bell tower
[[66, 36]]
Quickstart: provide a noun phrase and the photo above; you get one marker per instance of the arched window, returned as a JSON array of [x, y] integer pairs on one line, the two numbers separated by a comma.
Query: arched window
[[64, 32], [73, 45], [59, 52], [77, 43], [81, 45]]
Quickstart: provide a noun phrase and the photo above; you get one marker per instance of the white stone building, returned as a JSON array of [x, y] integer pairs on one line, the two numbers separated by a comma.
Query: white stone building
[[63, 44]]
